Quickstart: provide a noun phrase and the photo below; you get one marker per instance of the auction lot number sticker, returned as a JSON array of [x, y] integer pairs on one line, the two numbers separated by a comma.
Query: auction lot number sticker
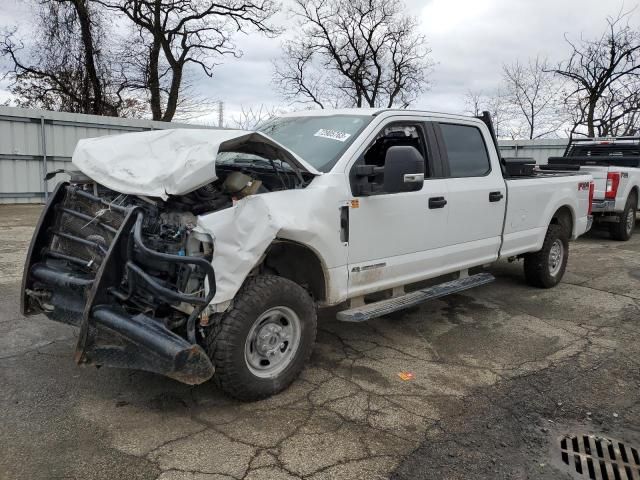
[[332, 134]]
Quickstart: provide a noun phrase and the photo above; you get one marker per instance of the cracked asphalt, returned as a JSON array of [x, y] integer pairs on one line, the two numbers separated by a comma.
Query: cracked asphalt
[[498, 373]]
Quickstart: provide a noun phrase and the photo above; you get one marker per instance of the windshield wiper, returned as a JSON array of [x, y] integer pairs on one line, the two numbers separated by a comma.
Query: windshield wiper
[[258, 162], [269, 164]]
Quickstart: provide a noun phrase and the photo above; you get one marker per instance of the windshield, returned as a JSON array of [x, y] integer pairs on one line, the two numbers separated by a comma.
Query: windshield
[[318, 140]]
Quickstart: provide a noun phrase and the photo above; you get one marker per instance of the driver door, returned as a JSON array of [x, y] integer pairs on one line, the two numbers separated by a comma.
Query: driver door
[[394, 238]]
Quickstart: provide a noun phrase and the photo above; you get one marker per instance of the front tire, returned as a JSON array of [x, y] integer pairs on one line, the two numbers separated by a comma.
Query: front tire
[[545, 269], [623, 230], [261, 345]]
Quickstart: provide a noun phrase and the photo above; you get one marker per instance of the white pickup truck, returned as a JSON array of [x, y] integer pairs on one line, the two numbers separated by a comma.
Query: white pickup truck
[[614, 164], [189, 252]]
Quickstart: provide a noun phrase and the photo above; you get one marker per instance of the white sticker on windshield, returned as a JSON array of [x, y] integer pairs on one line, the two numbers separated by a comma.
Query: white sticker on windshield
[[332, 134]]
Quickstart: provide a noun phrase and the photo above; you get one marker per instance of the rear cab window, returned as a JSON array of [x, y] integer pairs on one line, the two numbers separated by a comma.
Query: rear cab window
[[466, 151]]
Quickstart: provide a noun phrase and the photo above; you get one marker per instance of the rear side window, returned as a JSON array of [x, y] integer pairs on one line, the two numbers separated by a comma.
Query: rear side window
[[466, 151]]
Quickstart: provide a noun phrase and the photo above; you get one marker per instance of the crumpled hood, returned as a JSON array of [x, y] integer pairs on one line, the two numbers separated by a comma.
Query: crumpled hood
[[160, 163]]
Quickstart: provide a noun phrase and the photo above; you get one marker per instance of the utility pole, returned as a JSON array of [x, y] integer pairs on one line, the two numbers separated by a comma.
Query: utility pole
[[220, 114]]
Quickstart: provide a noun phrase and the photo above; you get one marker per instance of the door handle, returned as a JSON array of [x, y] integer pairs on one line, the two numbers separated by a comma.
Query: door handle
[[437, 202], [495, 196]]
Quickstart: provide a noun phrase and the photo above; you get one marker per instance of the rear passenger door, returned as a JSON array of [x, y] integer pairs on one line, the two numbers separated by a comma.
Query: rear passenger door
[[476, 194]]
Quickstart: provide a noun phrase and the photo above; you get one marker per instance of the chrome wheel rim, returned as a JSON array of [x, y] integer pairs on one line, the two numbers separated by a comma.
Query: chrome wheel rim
[[556, 253], [631, 221], [272, 342]]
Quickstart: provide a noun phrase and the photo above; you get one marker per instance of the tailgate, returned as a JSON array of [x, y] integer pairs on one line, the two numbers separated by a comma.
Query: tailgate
[[599, 175]]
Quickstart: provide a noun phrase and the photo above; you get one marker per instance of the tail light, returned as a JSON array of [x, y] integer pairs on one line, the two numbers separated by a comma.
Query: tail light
[[592, 187], [613, 181]]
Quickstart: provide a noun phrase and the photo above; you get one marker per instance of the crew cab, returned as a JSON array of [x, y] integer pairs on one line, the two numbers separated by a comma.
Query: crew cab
[[205, 254], [614, 164]]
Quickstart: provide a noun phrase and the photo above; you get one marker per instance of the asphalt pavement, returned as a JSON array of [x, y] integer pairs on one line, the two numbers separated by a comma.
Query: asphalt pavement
[[476, 385]]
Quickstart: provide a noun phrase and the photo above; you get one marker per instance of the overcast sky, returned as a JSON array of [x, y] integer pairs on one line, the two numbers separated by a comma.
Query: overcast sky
[[469, 39]]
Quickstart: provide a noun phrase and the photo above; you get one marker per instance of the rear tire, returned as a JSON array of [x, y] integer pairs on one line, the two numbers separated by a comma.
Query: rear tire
[[261, 344], [623, 230], [545, 268]]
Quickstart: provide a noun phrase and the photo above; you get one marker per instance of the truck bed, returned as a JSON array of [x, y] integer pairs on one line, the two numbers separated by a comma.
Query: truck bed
[[532, 201]]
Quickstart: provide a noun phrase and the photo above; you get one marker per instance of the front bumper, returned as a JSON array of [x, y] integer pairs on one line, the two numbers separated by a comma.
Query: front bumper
[[92, 297]]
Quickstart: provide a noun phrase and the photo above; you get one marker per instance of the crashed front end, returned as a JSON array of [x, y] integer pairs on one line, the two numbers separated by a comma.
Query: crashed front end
[[119, 250], [134, 279]]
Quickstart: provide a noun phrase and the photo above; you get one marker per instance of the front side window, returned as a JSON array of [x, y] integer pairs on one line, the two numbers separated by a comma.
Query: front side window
[[466, 151], [367, 176], [397, 134]]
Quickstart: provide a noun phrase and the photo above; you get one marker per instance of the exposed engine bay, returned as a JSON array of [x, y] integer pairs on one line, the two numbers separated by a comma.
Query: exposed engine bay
[[109, 263], [235, 183]]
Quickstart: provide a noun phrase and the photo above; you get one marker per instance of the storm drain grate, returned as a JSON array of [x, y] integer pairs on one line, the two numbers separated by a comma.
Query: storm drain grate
[[600, 458]]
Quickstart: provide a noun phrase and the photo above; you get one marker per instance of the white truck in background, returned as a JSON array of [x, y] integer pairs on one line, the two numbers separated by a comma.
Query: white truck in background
[[204, 254], [614, 164]]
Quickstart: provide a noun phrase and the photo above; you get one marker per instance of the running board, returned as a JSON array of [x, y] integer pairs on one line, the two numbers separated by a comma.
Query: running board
[[384, 307]]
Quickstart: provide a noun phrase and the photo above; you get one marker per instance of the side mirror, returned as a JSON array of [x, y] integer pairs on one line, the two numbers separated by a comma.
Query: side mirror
[[403, 169]]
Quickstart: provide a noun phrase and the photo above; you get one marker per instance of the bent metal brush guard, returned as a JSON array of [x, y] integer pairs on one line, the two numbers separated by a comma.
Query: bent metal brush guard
[[88, 266]]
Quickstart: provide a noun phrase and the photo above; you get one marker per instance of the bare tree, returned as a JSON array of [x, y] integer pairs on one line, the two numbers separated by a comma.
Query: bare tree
[[250, 118], [299, 80], [474, 103], [497, 104], [604, 76], [353, 53], [68, 67], [619, 110], [178, 33], [532, 92]]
